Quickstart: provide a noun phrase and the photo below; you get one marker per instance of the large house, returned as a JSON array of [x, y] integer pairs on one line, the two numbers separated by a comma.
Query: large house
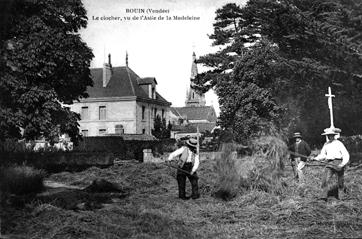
[[120, 102], [195, 114]]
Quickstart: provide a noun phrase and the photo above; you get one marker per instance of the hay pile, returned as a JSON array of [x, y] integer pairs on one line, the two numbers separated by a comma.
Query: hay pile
[[228, 181], [262, 170]]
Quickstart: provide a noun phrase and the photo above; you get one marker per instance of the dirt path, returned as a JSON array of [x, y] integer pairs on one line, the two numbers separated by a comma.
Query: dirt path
[[52, 184]]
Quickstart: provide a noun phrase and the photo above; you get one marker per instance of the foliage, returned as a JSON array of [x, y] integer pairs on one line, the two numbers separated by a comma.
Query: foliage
[[21, 180], [44, 64], [161, 131], [352, 143], [286, 54], [13, 146], [165, 145]]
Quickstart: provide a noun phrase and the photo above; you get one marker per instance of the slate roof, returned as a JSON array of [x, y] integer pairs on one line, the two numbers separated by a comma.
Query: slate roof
[[197, 113], [123, 83], [184, 129], [203, 127], [175, 112], [147, 80]]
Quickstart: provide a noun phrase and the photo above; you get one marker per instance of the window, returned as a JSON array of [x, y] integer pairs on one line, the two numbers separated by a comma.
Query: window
[[155, 113], [143, 131], [102, 113], [85, 132], [153, 93], [84, 114], [163, 113], [102, 131], [119, 129], [143, 112]]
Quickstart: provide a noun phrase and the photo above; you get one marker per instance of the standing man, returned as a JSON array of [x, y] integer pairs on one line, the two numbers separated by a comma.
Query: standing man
[[299, 148], [336, 156], [188, 160]]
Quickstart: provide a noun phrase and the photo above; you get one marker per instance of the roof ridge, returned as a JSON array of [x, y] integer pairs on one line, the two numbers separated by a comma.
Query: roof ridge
[[96, 68], [178, 112]]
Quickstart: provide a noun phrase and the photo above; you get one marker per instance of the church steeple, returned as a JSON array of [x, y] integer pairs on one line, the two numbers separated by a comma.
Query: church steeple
[[194, 98], [193, 66]]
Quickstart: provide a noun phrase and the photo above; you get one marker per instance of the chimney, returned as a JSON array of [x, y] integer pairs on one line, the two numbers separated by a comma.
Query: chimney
[[107, 71]]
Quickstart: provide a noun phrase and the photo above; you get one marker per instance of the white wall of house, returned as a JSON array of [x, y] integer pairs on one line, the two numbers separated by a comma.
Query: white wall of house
[[125, 113], [116, 113]]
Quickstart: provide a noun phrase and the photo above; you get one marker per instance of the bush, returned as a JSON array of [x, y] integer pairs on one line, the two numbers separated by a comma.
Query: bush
[[353, 143], [21, 180], [165, 145], [11, 145]]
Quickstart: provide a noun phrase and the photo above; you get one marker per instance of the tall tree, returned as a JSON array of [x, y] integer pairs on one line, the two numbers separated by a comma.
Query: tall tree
[[44, 64], [316, 44], [160, 131]]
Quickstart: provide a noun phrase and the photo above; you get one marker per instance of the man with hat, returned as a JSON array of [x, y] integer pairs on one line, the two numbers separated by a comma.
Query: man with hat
[[336, 156], [188, 161], [299, 149]]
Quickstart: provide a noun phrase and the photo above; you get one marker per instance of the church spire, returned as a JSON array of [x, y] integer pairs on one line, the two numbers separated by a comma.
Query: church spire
[[193, 98], [193, 66]]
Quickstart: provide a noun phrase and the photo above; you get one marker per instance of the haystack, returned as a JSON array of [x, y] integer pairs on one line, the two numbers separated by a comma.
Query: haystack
[[262, 170]]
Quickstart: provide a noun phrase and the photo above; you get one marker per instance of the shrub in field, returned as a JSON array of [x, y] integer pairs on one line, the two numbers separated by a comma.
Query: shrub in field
[[21, 180]]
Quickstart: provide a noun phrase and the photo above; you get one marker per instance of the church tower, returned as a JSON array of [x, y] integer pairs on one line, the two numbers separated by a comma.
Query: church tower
[[193, 98]]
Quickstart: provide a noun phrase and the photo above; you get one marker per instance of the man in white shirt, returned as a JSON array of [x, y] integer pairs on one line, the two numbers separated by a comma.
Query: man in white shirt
[[337, 156], [188, 161]]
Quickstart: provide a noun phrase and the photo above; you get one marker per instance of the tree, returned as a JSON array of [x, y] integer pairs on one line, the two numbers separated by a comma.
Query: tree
[[312, 44], [44, 64], [246, 102], [160, 130]]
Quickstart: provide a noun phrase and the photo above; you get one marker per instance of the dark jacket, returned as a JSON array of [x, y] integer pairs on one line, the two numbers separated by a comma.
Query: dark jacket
[[302, 148]]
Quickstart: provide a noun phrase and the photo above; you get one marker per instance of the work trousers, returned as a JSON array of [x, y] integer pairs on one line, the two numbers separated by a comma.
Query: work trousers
[[328, 184], [298, 166], [181, 181]]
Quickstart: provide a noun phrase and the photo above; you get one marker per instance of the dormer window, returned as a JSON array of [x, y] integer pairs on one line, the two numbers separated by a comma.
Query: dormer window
[[153, 92], [148, 84]]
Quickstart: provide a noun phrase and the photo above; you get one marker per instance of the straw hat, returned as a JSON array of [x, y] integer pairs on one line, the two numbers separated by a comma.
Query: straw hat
[[329, 131], [297, 135], [192, 142]]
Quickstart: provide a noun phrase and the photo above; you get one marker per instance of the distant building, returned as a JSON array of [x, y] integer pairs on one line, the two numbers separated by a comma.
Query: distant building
[[195, 114], [193, 98], [203, 117], [120, 102]]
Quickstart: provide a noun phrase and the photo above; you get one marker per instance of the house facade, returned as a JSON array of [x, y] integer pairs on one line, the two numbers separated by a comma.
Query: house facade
[[120, 102]]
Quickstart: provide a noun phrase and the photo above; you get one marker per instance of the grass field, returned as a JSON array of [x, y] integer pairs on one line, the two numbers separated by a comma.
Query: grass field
[[152, 209]]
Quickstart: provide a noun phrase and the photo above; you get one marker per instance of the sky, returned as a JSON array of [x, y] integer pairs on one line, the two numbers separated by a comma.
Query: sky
[[160, 47]]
